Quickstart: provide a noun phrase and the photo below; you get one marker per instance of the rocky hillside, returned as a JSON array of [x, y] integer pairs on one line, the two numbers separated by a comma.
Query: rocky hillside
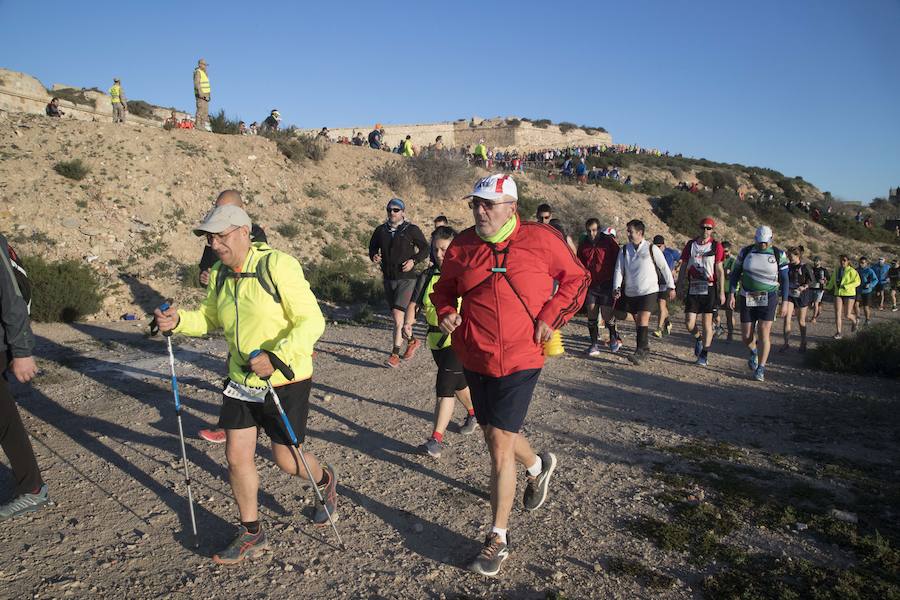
[[131, 216]]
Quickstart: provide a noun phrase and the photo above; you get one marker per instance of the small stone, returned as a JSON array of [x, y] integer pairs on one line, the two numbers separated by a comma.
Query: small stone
[[558, 575], [328, 397], [598, 568], [843, 515], [418, 528], [801, 526], [288, 567]]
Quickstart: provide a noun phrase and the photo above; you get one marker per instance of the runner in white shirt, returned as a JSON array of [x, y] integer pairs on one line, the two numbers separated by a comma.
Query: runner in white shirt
[[701, 264]]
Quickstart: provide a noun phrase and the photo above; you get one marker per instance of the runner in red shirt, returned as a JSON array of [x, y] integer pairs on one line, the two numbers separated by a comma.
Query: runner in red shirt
[[701, 264]]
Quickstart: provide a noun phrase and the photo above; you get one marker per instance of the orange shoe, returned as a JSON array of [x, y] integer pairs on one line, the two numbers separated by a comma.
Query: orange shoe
[[393, 361], [411, 348], [216, 436]]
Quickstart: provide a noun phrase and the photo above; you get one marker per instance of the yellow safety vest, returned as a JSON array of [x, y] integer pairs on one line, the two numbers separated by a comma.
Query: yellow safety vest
[[204, 83], [115, 93]]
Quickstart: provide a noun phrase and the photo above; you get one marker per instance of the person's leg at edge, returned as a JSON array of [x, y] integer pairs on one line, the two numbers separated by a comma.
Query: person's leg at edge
[[465, 398], [663, 314], [288, 460], [606, 312], [851, 310], [801, 319], [240, 451], [708, 330], [443, 412], [764, 330], [838, 314], [787, 318], [399, 317], [690, 324], [506, 448], [642, 324], [747, 333], [17, 445], [593, 311]]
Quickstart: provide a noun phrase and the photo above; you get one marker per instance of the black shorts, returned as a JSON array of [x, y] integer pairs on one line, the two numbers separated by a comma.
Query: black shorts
[[398, 292], [801, 301], [502, 402], [864, 299], [601, 295], [750, 314], [702, 304], [237, 414], [884, 286], [638, 304], [450, 377]]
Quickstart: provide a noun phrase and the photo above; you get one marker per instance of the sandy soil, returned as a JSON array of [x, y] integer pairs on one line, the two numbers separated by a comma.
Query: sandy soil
[[101, 414]]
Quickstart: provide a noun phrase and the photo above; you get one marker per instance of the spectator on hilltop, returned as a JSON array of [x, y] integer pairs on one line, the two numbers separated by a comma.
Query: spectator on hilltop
[[53, 109], [375, 137], [324, 134], [358, 139], [581, 170], [254, 128], [242, 128], [406, 147], [479, 154], [272, 122], [171, 122]]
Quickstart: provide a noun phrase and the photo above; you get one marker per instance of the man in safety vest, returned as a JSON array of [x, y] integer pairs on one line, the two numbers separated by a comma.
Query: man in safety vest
[[201, 93], [119, 103]]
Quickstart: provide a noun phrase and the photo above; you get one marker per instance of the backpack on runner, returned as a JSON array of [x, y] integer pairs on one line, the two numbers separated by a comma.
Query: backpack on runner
[[21, 275], [262, 274]]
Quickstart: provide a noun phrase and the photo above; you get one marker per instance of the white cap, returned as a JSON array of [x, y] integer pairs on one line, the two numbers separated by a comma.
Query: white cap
[[610, 231], [493, 188], [221, 218], [763, 234]]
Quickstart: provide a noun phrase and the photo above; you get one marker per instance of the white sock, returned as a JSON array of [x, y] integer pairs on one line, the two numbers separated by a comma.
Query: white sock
[[535, 469], [500, 532]]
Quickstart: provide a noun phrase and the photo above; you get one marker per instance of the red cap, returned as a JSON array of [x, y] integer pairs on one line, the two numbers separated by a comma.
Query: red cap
[[708, 221]]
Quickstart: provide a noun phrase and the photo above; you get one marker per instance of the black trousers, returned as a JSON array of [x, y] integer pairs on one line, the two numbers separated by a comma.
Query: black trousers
[[16, 443]]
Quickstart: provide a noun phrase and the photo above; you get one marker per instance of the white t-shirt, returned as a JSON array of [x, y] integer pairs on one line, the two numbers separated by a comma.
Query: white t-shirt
[[640, 268]]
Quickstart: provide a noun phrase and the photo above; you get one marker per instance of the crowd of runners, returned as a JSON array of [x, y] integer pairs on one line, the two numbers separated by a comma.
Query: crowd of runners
[[491, 296]]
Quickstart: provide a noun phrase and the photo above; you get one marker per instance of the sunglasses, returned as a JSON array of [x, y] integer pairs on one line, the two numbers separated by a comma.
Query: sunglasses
[[210, 237], [476, 202], [544, 217], [395, 210], [707, 228]]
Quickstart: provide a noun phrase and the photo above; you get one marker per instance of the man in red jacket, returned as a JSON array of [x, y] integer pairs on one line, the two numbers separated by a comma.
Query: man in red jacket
[[504, 269]]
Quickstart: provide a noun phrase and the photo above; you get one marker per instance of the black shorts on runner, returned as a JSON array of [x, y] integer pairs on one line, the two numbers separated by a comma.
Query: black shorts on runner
[[801, 301], [237, 414], [700, 304], [864, 299], [639, 303], [450, 376], [502, 402], [602, 295], [750, 314], [399, 292], [816, 295]]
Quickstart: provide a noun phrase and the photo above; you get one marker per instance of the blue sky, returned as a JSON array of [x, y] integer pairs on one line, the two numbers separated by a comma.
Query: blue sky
[[807, 88]]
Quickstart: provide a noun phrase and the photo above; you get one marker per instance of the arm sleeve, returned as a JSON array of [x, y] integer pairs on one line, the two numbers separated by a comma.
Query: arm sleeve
[[720, 252], [573, 282], [854, 277], [418, 295], [686, 252], [13, 310], [620, 267], [784, 280], [445, 295], [421, 244], [196, 82], [300, 307], [736, 271], [206, 317], [373, 245], [663, 266]]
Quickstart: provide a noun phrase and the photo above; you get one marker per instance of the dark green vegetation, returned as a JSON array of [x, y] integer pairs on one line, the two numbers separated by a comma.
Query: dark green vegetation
[[874, 350], [61, 291], [72, 169], [142, 109], [298, 147], [220, 123], [440, 176], [344, 279], [75, 96]]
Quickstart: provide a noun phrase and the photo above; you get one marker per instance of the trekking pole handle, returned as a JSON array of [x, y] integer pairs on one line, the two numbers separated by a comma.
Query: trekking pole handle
[[163, 308], [276, 362]]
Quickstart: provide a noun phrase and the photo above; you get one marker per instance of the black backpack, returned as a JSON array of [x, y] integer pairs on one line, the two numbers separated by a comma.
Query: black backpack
[[21, 275]]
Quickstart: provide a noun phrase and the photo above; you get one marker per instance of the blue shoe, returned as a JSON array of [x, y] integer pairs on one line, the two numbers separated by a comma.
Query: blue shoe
[[760, 374], [698, 346], [702, 361], [615, 345], [753, 361]]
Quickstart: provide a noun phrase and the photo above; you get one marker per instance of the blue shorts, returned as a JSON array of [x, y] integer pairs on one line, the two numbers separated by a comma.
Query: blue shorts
[[502, 402], [751, 314]]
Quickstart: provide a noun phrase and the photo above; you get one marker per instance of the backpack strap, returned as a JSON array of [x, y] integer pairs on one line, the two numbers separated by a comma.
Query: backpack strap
[[262, 274]]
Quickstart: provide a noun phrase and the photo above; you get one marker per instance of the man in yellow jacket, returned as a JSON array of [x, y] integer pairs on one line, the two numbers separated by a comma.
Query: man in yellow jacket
[[202, 91], [262, 301], [119, 103]]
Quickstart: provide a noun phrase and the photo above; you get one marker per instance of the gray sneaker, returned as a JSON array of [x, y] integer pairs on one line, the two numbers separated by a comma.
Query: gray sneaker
[[432, 448], [245, 545], [329, 493], [492, 555], [536, 488], [24, 504], [469, 425]]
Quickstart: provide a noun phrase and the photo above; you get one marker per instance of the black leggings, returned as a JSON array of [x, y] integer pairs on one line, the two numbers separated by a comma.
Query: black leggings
[[16, 444]]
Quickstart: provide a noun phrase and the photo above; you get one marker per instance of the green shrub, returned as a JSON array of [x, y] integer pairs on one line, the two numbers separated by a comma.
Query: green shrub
[[790, 192], [653, 188], [566, 127], [334, 252], [75, 96], [222, 124], [312, 190], [875, 350], [541, 123], [61, 291], [288, 230], [527, 205], [848, 227], [73, 169], [395, 174], [775, 216], [718, 179], [442, 177], [142, 109], [298, 147], [189, 275], [681, 211], [513, 122], [346, 281]]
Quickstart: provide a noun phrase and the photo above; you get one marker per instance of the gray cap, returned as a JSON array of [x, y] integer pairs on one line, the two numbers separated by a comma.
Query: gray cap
[[222, 218]]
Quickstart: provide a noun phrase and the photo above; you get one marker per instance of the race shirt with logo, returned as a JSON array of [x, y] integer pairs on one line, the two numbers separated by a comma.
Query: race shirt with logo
[[701, 259], [760, 268]]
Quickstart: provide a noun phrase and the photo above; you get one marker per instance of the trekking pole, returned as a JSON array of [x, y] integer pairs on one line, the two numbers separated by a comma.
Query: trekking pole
[[187, 477], [289, 374]]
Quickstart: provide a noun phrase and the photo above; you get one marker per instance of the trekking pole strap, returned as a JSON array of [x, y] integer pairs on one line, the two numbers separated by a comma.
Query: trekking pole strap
[[277, 363]]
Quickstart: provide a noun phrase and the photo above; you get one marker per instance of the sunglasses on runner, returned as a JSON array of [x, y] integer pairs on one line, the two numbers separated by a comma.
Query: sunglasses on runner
[[476, 202], [395, 210], [210, 237], [707, 227]]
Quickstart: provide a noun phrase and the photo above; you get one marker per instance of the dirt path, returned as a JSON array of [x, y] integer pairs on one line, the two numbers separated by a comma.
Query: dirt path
[[639, 449]]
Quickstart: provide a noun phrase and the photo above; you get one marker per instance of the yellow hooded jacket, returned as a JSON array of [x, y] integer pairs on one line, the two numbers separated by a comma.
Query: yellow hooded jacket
[[847, 285], [252, 319]]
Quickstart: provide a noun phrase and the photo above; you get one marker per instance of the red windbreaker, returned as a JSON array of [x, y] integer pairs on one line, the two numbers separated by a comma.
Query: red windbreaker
[[496, 337], [599, 257]]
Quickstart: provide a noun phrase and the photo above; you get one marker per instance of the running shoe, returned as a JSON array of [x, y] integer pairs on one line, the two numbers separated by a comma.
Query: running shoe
[[658, 333], [668, 327], [432, 448], [760, 373], [893, 309], [836, 336], [216, 436], [492, 555], [698, 346], [639, 356], [594, 350], [702, 361], [615, 345], [803, 348], [25, 503], [536, 488], [245, 545], [469, 425], [329, 492], [853, 326], [753, 361], [393, 361], [411, 348]]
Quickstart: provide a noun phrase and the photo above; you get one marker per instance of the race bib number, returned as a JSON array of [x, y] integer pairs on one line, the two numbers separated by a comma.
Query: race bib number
[[245, 393], [699, 288], [755, 299]]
